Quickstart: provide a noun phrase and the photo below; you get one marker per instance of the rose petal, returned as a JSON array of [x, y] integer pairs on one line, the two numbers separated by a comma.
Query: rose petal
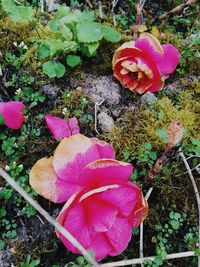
[[105, 150], [100, 214], [169, 61], [76, 223], [119, 235], [61, 128], [12, 113], [101, 246], [150, 45], [105, 172], [45, 182], [124, 198], [74, 153]]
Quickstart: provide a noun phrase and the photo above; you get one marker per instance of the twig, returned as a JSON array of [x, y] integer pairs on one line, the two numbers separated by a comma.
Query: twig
[[100, 9], [178, 8], [139, 8], [42, 5], [89, 4], [97, 105], [46, 215], [195, 191], [186, 171], [114, 3], [152, 258], [142, 228]]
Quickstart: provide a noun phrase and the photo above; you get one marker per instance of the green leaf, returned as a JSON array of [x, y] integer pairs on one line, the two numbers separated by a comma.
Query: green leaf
[[53, 69], [2, 244], [44, 51], [148, 146], [110, 34], [66, 33], [89, 32], [175, 224], [17, 13], [73, 60], [1, 120]]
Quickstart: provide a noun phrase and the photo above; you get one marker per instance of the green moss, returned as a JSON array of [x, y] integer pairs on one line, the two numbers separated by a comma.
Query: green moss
[[133, 129], [11, 32]]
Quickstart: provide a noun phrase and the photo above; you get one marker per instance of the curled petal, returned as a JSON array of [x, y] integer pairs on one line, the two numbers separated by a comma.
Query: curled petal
[[12, 113], [119, 235], [169, 61], [45, 182], [101, 245], [105, 172], [61, 128], [74, 153]]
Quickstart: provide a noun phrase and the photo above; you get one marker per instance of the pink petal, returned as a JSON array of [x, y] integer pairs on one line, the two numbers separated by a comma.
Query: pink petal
[[100, 214], [61, 128], [150, 45], [105, 150], [101, 246], [45, 182], [73, 154], [119, 236], [12, 113], [75, 222], [105, 172], [123, 198], [169, 61]]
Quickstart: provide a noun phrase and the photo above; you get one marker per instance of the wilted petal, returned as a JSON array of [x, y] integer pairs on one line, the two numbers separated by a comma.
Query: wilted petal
[[169, 61], [101, 246], [105, 172], [119, 235], [12, 113], [100, 214], [74, 153], [75, 221], [151, 46], [61, 128], [45, 182], [105, 150], [123, 198]]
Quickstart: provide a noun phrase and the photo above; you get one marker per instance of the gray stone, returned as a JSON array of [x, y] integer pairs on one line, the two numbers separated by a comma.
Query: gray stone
[[99, 88], [51, 91], [5, 258], [105, 122]]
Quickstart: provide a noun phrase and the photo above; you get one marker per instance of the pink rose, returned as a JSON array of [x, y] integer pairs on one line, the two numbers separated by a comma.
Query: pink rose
[[12, 113], [102, 204], [144, 64], [61, 128]]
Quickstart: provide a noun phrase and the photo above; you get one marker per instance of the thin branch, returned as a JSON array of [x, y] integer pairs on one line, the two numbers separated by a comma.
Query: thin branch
[[100, 9], [42, 5], [114, 3], [48, 217], [195, 191], [178, 8], [152, 258], [89, 4], [96, 107], [142, 228], [180, 174]]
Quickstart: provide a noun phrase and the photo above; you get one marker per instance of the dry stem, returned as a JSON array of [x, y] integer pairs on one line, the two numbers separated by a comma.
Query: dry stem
[[195, 191]]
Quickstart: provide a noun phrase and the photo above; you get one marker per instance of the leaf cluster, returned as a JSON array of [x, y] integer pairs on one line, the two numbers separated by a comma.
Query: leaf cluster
[[74, 33]]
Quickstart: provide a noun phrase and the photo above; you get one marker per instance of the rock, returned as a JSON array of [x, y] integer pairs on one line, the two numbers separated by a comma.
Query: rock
[[5, 258], [106, 123], [51, 91], [148, 99], [99, 88]]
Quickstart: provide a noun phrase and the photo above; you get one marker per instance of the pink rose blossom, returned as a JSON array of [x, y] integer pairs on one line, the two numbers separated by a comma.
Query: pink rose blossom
[[12, 113], [61, 128], [144, 64], [102, 204]]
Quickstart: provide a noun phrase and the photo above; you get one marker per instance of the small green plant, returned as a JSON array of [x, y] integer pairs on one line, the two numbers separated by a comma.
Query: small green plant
[[72, 32], [146, 155], [80, 262], [29, 262]]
